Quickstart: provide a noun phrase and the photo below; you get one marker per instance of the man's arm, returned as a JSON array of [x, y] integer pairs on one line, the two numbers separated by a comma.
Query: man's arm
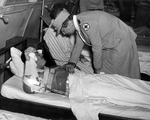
[[95, 38], [76, 50]]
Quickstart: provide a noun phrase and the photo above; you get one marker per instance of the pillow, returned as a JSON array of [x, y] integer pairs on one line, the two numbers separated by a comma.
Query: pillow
[[16, 65]]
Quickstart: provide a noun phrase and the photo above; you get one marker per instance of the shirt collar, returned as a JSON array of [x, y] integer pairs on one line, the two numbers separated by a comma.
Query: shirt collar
[[76, 23]]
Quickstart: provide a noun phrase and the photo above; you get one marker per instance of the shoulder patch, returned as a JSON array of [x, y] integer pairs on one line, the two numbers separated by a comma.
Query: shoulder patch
[[86, 26]]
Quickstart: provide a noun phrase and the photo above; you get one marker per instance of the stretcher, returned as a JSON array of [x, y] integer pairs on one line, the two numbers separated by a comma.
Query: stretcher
[[55, 106]]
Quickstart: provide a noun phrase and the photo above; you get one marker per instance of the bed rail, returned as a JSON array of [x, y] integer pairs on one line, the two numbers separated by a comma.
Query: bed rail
[[18, 42]]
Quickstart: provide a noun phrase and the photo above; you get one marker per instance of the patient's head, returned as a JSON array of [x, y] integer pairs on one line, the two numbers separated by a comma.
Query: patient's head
[[40, 61]]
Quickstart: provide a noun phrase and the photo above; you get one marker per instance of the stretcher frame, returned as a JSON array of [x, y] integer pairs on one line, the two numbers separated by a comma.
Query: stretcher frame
[[38, 109]]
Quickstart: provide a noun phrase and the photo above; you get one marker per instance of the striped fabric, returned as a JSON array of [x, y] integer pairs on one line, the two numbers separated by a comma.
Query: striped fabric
[[61, 48]]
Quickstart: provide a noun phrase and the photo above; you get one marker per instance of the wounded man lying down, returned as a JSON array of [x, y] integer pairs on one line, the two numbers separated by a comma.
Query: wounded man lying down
[[37, 78], [87, 92]]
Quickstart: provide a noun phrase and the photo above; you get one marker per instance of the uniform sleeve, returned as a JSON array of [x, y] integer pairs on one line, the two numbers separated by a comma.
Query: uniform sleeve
[[97, 55], [76, 50], [96, 41]]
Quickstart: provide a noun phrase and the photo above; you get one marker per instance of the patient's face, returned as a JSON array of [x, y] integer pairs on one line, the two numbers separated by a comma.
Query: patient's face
[[40, 61]]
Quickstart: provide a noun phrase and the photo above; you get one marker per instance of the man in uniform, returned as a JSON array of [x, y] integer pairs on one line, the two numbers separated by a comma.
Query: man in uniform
[[113, 42]]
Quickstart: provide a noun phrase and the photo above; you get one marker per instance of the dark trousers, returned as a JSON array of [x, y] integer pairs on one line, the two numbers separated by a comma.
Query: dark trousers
[[142, 16]]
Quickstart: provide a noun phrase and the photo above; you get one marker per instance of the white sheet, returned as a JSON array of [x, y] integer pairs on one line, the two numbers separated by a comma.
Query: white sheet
[[109, 94], [144, 59], [7, 115], [12, 89]]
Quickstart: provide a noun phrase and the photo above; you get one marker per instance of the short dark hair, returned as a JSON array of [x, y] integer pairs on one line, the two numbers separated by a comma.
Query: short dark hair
[[65, 23], [56, 9]]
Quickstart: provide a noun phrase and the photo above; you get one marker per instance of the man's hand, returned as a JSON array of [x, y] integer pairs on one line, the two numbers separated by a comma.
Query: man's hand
[[70, 67], [29, 50]]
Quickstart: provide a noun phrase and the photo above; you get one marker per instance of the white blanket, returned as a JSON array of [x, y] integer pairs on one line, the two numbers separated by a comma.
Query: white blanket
[[90, 93]]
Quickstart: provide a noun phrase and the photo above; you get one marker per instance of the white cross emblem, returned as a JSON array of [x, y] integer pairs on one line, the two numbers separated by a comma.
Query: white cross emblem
[[86, 26]]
